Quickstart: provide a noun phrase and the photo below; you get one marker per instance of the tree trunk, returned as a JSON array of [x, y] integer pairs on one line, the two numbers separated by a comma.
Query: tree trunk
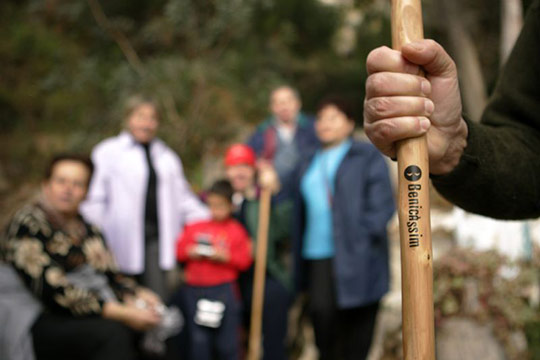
[[473, 89], [511, 23]]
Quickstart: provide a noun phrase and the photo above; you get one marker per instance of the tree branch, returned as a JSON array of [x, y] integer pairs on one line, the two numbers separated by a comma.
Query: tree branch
[[121, 40], [133, 59]]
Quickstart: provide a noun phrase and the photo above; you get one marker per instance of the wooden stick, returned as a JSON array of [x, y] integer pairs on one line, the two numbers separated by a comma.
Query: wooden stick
[[254, 351], [414, 218]]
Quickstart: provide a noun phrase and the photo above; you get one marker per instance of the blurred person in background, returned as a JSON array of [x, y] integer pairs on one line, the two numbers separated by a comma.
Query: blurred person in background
[[287, 134], [72, 299], [343, 203], [213, 253], [140, 198], [247, 178]]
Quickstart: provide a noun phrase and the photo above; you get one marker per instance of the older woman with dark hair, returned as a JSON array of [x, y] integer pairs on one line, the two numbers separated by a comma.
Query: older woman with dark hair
[[88, 310], [344, 201]]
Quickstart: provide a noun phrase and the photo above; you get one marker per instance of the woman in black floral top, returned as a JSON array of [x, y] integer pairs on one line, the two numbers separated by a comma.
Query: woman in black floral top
[[90, 309]]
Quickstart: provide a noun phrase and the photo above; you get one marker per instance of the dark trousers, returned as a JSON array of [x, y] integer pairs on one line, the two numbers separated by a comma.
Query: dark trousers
[[153, 277], [67, 338], [339, 333], [277, 300], [204, 343]]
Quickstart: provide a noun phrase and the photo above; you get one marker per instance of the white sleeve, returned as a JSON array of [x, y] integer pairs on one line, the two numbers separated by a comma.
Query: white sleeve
[[189, 205], [94, 207]]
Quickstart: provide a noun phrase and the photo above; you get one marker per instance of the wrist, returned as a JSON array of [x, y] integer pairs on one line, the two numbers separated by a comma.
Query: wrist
[[115, 311], [221, 258], [225, 258], [454, 151]]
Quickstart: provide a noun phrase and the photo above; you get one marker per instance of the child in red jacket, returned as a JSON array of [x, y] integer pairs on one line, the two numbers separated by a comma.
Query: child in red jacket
[[213, 253]]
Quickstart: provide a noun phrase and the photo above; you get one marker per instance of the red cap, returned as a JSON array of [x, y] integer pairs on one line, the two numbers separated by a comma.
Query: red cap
[[240, 154]]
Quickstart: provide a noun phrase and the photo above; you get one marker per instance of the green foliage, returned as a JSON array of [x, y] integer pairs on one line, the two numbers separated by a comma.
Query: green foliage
[[210, 63], [488, 287], [65, 69]]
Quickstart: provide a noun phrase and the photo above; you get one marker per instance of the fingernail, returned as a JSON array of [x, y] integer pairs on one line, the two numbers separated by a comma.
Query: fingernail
[[426, 87], [429, 106], [425, 124]]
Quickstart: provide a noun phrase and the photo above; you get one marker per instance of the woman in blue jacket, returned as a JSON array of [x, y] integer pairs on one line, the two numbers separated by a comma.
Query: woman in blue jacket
[[344, 201]]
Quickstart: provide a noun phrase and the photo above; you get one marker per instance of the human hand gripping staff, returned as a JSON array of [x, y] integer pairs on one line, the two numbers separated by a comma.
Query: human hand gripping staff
[[413, 211]]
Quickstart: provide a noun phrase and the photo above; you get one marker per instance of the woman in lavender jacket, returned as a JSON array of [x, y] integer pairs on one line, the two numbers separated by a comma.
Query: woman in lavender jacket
[[140, 198]]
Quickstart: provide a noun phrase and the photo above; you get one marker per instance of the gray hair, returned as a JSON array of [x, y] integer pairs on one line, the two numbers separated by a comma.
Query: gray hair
[[134, 101]]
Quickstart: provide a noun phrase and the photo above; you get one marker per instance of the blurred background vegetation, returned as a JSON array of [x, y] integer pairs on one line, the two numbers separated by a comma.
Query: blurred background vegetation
[[66, 66]]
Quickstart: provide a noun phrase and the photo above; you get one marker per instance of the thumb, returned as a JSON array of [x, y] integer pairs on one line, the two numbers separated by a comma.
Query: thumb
[[431, 56]]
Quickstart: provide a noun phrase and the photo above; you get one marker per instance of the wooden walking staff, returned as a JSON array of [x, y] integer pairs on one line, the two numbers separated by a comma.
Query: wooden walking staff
[[257, 302], [414, 219]]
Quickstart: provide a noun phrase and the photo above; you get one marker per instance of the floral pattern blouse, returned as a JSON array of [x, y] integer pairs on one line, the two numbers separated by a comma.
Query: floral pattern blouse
[[42, 254]]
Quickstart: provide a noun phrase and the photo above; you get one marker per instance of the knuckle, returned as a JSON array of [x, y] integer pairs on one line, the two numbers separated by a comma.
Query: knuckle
[[369, 86], [382, 132], [372, 59], [368, 118], [375, 84], [379, 136], [381, 106], [432, 43]]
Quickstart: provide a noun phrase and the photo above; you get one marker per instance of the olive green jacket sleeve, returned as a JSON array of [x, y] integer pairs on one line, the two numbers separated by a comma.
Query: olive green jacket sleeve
[[279, 238], [499, 172]]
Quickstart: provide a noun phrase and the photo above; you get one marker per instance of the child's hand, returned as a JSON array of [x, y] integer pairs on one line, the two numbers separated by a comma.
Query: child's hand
[[221, 255], [193, 253], [151, 299], [132, 316]]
